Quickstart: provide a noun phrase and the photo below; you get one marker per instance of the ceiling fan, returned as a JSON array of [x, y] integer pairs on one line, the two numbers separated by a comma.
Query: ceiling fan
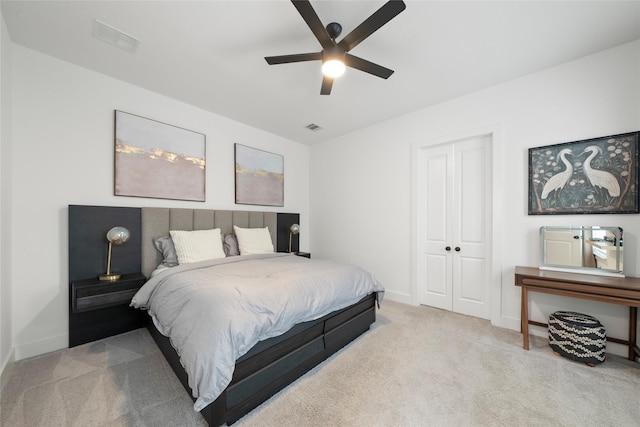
[[334, 55]]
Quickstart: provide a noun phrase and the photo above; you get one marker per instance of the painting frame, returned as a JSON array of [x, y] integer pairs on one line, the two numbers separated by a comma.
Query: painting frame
[[591, 176], [259, 177], [156, 160]]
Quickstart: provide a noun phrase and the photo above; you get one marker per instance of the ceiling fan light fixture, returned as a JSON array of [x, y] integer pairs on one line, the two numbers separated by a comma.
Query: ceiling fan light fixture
[[333, 68], [334, 55]]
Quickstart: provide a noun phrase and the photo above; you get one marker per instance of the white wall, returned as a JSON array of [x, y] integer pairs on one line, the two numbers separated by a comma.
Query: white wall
[[63, 154], [60, 152], [6, 339], [361, 182]]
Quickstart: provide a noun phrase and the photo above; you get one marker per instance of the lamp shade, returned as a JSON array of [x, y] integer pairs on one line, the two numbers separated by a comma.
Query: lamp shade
[[118, 235], [333, 68], [333, 61]]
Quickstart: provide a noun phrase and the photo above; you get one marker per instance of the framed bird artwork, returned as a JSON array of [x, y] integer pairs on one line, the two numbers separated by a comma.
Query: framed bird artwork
[[592, 176]]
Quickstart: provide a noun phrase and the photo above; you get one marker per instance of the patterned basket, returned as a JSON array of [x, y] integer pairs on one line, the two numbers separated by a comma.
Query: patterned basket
[[577, 336]]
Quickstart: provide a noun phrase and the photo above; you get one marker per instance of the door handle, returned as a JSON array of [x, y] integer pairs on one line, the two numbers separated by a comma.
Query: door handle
[[448, 248], [457, 248]]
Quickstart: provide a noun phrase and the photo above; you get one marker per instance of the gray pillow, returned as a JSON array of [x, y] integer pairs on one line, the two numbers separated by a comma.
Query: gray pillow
[[165, 245], [230, 245]]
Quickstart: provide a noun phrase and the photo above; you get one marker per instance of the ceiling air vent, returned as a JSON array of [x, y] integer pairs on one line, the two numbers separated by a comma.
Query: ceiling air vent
[[313, 127], [113, 36]]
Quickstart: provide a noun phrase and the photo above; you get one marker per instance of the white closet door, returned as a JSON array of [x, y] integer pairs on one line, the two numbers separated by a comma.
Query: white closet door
[[471, 230], [437, 204], [455, 202]]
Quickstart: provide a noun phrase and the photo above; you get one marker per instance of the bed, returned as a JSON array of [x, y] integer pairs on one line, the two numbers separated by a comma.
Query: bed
[[270, 364]]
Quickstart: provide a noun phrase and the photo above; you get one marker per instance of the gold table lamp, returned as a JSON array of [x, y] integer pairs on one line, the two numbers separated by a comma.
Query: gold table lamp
[[115, 236], [294, 229]]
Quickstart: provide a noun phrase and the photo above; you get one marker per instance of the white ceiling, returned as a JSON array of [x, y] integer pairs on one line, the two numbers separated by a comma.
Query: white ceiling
[[211, 53]]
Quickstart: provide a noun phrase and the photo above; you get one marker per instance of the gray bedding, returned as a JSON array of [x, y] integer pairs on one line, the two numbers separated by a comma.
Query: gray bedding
[[215, 311]]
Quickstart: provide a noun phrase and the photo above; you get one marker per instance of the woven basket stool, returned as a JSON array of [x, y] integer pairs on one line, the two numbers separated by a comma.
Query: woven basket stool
[[577, 336]]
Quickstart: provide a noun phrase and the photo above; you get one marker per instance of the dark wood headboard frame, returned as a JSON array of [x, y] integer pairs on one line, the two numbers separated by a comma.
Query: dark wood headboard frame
[[88, 226]]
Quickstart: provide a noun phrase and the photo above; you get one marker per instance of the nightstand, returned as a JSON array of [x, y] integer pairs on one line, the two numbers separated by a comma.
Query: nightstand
[[304, 254], [99, 309]]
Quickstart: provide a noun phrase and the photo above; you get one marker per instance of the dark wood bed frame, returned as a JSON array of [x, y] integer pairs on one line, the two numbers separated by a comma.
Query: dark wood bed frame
[[270, 365], [273, 364]]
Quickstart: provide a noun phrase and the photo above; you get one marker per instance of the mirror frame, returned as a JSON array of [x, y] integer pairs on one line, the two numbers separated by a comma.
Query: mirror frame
[[617, 242]]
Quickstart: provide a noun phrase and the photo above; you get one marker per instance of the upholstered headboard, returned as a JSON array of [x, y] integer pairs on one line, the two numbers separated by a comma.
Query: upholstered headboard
[[157, 222]]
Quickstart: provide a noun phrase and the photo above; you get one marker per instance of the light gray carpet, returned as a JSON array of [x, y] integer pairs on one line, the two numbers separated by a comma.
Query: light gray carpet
[[417, 366]]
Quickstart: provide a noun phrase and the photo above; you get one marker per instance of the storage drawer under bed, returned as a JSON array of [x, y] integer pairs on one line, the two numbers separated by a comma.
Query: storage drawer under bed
[[246, 394], [244, 389], [247, 367], [345, 333]]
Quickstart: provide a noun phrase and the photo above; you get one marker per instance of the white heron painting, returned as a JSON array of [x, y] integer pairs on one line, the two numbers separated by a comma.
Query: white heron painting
[[597, 175]]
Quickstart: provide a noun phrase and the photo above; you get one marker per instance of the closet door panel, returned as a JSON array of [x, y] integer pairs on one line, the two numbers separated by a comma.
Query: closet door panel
[[471, 195], [437, 202], [454, 220]]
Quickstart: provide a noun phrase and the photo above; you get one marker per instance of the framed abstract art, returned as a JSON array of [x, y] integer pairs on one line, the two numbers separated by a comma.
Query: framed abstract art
[[259, 177], [157, 160]]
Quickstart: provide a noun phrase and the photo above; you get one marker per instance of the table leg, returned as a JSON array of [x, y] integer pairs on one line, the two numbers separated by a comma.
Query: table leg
[[524, 319], [633, 321]]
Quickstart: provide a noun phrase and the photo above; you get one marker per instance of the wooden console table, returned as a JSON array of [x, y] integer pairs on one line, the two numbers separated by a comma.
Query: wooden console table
[[614, 290]]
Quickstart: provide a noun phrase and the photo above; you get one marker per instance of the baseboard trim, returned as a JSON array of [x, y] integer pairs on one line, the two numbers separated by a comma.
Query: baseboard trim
[[508, 323], [397, 297], [36, 348]]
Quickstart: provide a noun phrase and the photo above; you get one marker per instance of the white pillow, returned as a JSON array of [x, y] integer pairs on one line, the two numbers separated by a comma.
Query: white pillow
[[253, 240], [197, 245]]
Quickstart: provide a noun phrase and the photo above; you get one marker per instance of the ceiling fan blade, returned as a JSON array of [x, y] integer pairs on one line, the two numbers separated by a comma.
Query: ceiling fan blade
[[327, 83], [383, 15], [299, 57], [366, 66], [311, 18]]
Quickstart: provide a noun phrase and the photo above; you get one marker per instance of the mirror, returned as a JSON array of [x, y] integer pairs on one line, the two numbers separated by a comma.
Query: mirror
[[590, 250]]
